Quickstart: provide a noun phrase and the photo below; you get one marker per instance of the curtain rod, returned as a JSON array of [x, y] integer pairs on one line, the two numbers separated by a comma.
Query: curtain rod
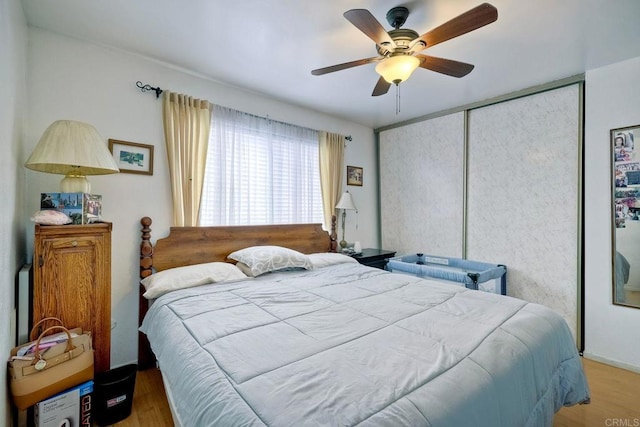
[[148, 88], [158, 91], [347, 137]]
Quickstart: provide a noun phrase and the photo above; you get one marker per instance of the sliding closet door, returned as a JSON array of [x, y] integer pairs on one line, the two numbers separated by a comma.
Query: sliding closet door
[[421, 186], [523, 195]]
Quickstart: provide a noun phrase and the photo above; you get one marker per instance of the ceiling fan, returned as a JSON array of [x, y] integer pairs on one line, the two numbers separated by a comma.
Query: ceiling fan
[[398, 49]]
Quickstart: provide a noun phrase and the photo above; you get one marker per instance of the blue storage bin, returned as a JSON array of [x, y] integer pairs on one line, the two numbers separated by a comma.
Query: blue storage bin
[[471, 274]]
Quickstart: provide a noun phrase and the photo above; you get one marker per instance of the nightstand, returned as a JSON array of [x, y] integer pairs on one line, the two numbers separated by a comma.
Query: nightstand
[[374, 257], [72, 281]]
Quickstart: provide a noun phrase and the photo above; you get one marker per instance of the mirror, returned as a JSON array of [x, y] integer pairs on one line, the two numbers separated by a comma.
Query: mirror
[[626, 215]]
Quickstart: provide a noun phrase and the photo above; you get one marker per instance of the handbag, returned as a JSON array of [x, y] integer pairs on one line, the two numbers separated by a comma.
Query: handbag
[[47, 371]]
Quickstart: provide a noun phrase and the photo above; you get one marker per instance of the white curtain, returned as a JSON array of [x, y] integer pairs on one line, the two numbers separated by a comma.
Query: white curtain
[[260, 171]]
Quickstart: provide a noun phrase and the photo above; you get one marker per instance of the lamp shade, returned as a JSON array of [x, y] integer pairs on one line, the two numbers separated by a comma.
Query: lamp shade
[[70, 146], [397, 68], [74, 149], [346, 202]]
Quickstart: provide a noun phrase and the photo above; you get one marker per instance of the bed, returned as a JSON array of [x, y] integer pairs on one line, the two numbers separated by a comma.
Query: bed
[[339, 343]]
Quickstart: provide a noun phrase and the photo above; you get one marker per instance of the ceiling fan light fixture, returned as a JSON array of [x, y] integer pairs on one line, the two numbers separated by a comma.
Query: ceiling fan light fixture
[[399, 68]]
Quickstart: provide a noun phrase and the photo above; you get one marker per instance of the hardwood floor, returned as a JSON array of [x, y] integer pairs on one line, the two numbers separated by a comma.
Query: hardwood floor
[[615, 400], [150, 406]]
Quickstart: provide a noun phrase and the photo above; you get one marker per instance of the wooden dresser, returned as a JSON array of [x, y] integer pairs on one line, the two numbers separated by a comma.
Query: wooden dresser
[[72, 281]]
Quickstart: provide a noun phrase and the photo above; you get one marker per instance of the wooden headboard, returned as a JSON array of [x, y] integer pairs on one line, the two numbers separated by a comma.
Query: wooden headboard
[[196, 245]]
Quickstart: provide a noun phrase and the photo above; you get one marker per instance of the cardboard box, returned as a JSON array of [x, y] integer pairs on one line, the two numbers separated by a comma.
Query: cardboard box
[[71, 408], [82, 208]]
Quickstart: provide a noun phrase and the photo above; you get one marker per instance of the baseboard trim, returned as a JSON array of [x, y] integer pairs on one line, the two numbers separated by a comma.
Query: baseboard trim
[[607, 361]]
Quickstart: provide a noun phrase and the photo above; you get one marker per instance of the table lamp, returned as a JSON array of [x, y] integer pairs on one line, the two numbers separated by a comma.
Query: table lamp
[[73, 149], [345, 203]]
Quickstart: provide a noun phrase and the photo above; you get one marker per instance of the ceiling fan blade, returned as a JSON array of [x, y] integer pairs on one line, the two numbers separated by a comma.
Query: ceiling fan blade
[[381, 88], [471, 20], [445, 66], [368, 24], [344, 66]]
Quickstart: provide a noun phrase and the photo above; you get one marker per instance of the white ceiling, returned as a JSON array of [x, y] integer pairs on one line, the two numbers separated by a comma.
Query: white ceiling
[[271, 46]]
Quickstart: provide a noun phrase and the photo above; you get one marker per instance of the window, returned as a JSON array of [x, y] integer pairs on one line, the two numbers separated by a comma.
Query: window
[[260, 171]]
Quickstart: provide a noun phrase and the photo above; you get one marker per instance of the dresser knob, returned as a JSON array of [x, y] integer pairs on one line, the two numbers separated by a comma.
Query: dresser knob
[[74, 243]]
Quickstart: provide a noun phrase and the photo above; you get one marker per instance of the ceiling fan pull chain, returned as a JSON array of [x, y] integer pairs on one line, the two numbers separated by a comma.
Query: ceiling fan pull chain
[[397, 99]]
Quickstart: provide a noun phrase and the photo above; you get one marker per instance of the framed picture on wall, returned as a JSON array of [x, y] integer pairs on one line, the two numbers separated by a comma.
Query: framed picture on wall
[[354, 175], [132, 157]]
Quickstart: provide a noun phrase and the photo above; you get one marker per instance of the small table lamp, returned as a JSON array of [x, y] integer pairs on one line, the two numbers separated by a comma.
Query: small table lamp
[[74, 149], [345, 203]]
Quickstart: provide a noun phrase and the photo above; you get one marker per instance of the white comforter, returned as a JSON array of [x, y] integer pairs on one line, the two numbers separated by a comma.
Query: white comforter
[[351, 345]]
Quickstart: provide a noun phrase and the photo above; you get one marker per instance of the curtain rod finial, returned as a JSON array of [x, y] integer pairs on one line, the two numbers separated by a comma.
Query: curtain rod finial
[[146, 88]]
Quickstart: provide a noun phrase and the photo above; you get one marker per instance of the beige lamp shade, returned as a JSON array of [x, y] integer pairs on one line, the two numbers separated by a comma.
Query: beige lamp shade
[[397, 68], [346, 202], [73, 149]]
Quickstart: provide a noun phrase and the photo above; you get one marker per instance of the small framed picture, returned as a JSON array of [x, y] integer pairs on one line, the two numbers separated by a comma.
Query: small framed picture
[[354, 175], [132, 157]]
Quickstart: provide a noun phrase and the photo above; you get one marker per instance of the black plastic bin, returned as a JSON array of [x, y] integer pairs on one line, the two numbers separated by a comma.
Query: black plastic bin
[[113, 394]]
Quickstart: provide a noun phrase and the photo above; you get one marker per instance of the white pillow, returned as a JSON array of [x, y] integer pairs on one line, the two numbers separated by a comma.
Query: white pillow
[[263, 259], [51, 217], [189, 276], [324, 259], [245, 268]]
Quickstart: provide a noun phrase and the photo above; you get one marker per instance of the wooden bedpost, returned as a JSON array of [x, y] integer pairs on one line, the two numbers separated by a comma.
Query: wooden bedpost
[[146, 248], [333, 235], [145, 355]]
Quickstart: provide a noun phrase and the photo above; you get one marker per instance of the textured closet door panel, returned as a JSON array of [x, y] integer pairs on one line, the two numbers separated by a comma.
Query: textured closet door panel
[[523, 195], [421, 186]]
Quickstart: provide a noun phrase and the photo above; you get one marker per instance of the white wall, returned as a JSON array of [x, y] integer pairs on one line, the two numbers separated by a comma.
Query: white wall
[[13, 51], [612, 332], [71, 79]]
